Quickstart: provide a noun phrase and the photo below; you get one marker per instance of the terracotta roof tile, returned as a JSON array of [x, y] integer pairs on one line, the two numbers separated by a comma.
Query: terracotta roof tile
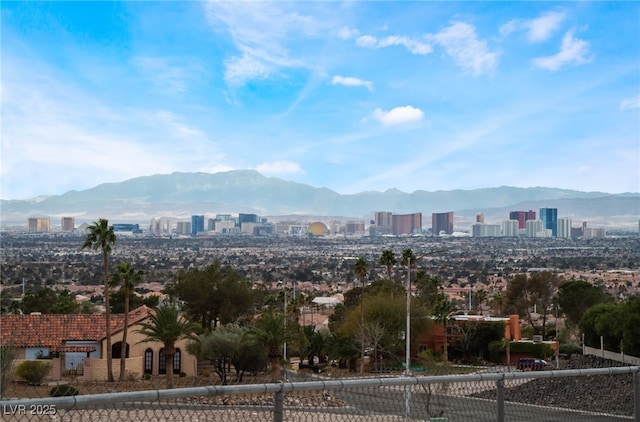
[[53, 331]]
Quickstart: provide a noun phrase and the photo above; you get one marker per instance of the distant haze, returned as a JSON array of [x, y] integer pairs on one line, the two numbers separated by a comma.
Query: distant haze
[[180, 195]]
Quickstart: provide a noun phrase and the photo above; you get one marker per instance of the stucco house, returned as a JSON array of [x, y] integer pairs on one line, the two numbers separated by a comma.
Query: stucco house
[[77, 344]]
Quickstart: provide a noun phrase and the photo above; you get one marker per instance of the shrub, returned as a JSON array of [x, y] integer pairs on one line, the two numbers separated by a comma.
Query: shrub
[[183, 374], [147, 377], [33, 371], [64, 390]]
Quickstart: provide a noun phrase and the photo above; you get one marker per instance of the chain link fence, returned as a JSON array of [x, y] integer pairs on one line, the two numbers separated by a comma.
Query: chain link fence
[[565, 395]]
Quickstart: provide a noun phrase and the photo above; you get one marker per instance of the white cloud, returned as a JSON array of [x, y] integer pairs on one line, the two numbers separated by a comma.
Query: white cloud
[[413, 46], [169, 75], [630, 103], [538, 29], [347, 33], [350, 81], [260, 31], [398, 115], [279, 167], [470, 53], [572, 51]]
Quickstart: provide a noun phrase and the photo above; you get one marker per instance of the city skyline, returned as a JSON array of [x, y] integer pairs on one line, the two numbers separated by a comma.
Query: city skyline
[[354, 96]]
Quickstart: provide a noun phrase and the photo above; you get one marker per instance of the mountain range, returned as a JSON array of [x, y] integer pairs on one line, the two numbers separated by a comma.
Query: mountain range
[[180, 195]]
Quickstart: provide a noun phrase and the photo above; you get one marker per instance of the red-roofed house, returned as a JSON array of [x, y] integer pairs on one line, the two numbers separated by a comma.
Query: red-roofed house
[[78, 342]]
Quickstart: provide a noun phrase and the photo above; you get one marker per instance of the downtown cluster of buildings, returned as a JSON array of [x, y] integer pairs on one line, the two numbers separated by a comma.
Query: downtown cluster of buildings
[[525, 223], [519, 224]]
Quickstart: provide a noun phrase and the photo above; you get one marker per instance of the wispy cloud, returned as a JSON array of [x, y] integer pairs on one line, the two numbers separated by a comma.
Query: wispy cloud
[[630, 103], [170, 75], [462, 44], [279, 167], [260, 31], [572, 51], [538, 29], [412, 45], [398, 115], [347, 33], [350, 81]]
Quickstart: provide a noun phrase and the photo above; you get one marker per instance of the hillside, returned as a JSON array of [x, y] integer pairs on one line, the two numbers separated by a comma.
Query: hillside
[[181, 195]]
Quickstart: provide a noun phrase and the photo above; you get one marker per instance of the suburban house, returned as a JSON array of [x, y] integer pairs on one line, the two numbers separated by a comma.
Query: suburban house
[[76, 344]]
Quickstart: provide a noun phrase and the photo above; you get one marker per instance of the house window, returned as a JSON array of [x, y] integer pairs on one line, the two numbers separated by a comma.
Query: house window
[[116, 350], [177, 367], [162, 362], [148, 361]]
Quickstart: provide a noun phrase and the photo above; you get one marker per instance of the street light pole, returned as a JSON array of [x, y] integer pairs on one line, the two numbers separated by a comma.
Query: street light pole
[[407, 338]]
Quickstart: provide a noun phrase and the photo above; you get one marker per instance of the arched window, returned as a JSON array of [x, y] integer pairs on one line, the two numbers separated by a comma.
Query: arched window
[[162, 362], [116, 350], [148, 361], [177, 359]]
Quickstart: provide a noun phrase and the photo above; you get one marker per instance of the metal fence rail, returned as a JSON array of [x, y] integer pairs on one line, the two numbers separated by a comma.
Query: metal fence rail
[[500, 396]]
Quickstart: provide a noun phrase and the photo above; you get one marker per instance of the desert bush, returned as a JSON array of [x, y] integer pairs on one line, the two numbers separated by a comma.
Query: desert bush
[[33, 371], [63, 390]]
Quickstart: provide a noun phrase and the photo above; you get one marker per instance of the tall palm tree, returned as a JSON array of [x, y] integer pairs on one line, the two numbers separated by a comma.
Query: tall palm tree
[[270, 332], [167, 327], [126, 277], [101, 236], [360, 270], [388, 259]]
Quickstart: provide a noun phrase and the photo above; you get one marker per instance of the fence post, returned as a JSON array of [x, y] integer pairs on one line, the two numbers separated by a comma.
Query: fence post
[[500, 399], [278, 404], [636, 394]]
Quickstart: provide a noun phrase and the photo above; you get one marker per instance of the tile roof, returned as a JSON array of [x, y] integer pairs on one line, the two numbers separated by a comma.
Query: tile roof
[[49, 330]]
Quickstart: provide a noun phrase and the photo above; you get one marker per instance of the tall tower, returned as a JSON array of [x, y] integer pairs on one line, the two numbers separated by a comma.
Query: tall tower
[[549, 217], [564, 228], [442, 222], [197, 224]]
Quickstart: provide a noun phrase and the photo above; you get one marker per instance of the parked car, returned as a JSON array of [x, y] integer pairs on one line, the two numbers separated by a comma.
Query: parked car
[[531, 364]]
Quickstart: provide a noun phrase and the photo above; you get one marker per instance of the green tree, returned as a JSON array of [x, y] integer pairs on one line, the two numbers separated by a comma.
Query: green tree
[[441, 311], [228, 346], [101, 236], [523, 293], [214, 295], [49, 301], [126, 277], [388, 259], [342, 347], [167, 327], [575, 297], [271, 333], [360, 271]]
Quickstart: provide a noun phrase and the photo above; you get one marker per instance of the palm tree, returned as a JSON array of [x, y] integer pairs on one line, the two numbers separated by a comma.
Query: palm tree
[[361, 272], [271, 333], [126, 276], [388, 259], [101, 236], [167, 327]]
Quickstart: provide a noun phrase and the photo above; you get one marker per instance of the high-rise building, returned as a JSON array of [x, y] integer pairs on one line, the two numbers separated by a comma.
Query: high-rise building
[[534, 228], [39, 225], [383, 222], [510, 228], [197, 224], [486, 230], [247, 218], [522, 217], [549, 217], [183, 227], [406, 223], [354, 227], [67, 224], [480, 217], [442, 223], [564, 228]]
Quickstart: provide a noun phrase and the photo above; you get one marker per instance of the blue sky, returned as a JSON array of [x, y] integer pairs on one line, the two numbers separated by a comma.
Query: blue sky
[[352, 96]]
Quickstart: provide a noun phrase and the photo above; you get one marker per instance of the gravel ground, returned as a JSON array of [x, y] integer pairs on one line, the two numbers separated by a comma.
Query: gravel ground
[[603, 393]]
